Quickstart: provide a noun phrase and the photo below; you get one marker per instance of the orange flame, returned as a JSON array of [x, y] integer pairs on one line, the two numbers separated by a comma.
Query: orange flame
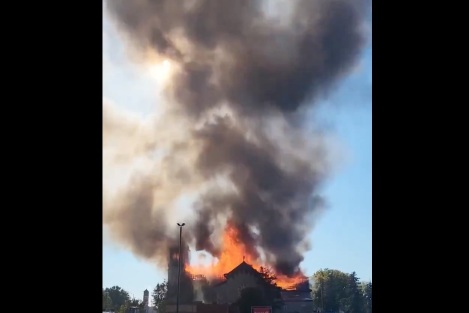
[[232, 254]]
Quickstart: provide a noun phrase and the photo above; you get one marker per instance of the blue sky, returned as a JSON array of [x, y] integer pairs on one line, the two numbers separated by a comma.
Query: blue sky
[[341, 238]]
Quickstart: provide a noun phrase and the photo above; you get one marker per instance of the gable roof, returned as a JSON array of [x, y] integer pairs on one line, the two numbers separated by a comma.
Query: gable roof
[[243, 267]]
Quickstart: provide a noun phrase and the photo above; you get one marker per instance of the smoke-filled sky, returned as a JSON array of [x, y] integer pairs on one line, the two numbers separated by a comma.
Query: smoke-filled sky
[[213, 120]]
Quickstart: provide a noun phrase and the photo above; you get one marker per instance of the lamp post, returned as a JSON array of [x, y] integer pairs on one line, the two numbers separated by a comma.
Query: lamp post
[[179, 265]]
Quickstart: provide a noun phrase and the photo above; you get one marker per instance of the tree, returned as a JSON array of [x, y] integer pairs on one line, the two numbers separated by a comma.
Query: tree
[[123, 308], [142, 307], [137, 303], [272, 292], [159, 296], [329, 290], [250, 296], [119, 297], [335, 291], [268, 275], [107, 302], [367, 297], [353, 301]]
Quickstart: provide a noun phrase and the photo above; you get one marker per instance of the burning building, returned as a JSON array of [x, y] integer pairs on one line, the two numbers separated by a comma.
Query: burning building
[[236, 268], [243, 276], [298, 300], [227, 291], [233, 250], [236, 131]]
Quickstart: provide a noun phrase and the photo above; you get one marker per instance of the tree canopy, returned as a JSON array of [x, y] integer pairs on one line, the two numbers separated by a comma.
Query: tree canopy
[[268, 275], [367, 296], [107, 302], [118, 297], [335, 291], [159, 296], [250, 297]]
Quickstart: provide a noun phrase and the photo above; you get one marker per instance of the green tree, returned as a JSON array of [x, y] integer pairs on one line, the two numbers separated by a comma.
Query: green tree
[[250, 297], [119, 297], [123, 308], [130, 305], [367, 297], [142, 307], [335, 291], [330, 290], [107, 302], [159, 296], [137, 303], [353, 301]]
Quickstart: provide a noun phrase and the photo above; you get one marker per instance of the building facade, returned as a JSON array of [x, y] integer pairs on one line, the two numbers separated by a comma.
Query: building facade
[[297, 301], [226, 292], [244, 276]]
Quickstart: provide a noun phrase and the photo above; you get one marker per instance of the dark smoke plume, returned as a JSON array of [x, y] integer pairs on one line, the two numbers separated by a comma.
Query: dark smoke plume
[[242, 79]]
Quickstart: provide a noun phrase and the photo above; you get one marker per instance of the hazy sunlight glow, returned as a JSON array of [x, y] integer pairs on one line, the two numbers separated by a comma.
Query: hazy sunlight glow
[[160, 71]]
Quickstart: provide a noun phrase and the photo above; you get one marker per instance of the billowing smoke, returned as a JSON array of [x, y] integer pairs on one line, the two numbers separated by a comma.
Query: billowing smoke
[[244, 76]]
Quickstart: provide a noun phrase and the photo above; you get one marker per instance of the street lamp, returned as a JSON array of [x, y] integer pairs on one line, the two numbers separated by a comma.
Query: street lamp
[[179, 265]]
